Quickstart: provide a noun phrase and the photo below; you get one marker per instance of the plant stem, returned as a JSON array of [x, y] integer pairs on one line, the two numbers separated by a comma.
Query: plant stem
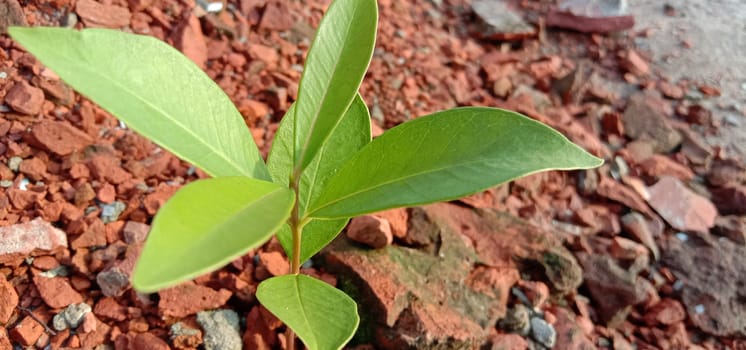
[[296, 227]]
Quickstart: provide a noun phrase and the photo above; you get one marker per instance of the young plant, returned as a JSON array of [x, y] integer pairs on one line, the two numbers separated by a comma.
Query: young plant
[[322, 169]]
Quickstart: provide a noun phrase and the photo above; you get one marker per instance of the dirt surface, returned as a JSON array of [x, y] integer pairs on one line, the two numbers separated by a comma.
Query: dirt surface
[[703, 41], [646, 252]]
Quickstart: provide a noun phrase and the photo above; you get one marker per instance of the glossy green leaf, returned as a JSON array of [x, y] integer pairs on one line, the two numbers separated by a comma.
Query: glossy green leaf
[[324, 317], [335, 66], [155, 90], [316, 235], [444, 156], [352, 134], [205, 225]]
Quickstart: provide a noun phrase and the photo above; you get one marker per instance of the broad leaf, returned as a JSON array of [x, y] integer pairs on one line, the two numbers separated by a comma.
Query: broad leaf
[[335, 66], [444, 156], [324, 317], [155, 90], [205, 225], [316, 235], [352, 134]]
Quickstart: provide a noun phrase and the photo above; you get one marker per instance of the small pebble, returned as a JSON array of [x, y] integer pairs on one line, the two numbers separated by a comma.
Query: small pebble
[[113, 282], [694, 95], [520, 295], [221, 329], [70, 317], [517, 320], [71, 20], [14, 163], [543, 332], [732, 120], [62, 271], [179, 328], [678, 285], [110, 212], [210, 6]]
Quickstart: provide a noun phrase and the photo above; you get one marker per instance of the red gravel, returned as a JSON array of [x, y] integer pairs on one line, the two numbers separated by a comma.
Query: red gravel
[[62, 159]]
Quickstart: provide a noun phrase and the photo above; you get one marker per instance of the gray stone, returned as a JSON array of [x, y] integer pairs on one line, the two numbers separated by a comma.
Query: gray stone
[[60, 270], [516, 320], [591, 16], [561, 268], [221, 329], [113, 282], [595, 8], [70, 317], [644, 119], [543, 332], [110, 212], [614, 289], [500, 22], [713, 281], [14, 163], [179, 328]]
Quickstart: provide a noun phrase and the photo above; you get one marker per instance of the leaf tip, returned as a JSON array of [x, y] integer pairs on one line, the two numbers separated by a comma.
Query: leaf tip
[[141, 283], [590, 161]]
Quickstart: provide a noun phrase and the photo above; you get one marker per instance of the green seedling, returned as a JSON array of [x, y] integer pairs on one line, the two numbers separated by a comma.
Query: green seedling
[[323, 168]]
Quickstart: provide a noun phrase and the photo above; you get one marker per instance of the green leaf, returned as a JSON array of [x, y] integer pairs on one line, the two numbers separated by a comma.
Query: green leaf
[[280, 157], [155, 90], [335, 66], [352, 134], [445, 156], [316, 235], [205, 225], [324, 317]]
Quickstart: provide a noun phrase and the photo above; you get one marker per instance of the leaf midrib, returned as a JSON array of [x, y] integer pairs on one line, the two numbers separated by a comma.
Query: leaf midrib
[[185, 254], [345, 44], [303, 313], [312, 185], [403, 178], [161, 112]]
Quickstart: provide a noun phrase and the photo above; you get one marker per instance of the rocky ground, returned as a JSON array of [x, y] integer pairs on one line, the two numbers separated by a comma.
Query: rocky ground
[[647, 252]]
